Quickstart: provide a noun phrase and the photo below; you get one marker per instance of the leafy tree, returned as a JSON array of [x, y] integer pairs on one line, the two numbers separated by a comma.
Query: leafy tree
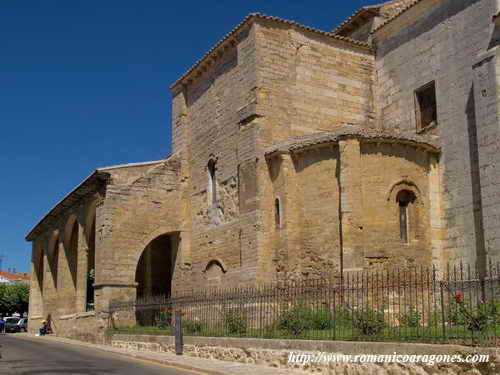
[[14, 298]]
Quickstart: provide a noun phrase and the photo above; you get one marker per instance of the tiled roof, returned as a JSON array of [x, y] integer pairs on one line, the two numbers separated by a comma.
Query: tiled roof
[[396, 15], [15, 276], [372, 9], [345, 131], [97, 178], [249, 19]]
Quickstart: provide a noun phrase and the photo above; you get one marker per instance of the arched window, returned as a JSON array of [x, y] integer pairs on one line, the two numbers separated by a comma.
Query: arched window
[[212, 182], [277, 213], [405, 199]]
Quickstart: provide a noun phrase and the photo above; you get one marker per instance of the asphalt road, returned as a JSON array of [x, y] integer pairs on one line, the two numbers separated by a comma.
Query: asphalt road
[[34, 356]]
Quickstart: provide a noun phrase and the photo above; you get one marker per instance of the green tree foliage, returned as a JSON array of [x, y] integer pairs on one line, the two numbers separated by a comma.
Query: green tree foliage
[[14, 298]]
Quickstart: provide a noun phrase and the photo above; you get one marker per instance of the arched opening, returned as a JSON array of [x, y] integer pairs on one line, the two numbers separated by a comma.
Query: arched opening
[[154, 273], [405, 199], [212, 182], [155, 268], [90, 276], [214, 272]]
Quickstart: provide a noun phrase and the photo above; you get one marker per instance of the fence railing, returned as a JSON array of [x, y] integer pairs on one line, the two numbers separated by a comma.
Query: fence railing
[[458, 305]]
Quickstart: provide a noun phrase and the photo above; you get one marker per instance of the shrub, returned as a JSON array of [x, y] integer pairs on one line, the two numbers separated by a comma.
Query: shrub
[[486, 314], [321, 318], [456, 315], [369, 322], [411, 319], [192, 327], [164, 320], [295, 320], [235, 322], [435, 319], [343, 317]]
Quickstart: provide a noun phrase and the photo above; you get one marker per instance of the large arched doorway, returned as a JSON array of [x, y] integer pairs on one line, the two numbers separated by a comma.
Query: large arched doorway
[[153, 276], [156, 267]]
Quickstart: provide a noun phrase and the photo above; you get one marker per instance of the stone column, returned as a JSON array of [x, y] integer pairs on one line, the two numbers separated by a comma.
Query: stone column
[[291, 216], [181, 136], [81, 279], [484, 134], [49, 292], [438, 235], [36, 285], [351, 205]]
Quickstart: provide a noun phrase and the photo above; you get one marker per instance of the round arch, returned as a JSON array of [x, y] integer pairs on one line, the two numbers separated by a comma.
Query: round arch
[[404, 185], [215, 262], [155, 265]]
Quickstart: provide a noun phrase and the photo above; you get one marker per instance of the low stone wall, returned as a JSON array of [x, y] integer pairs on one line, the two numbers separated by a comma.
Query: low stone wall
[[275, 353], [87, 326]]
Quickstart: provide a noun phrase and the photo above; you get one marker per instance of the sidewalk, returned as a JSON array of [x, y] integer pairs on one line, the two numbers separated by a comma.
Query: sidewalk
[[197, 365]]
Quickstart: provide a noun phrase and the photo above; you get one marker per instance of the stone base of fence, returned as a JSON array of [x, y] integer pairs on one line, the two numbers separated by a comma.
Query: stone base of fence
[[275, 353]]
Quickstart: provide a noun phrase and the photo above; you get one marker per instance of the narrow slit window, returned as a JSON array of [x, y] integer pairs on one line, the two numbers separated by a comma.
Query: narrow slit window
[[405, 198], [212, 182], [426, 107], [277, 213]]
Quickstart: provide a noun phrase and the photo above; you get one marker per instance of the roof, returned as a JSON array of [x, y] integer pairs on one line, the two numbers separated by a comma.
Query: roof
[[247, 21], [371, 10], [15, 276], [410, 5], [88, 186], [346, 131], [83, 189]]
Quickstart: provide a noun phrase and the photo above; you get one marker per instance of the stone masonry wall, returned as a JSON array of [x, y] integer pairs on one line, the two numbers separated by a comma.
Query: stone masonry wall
[[309, 83], [209, 110], [135, 212], [275, 354], [439, 40], [386, 170]]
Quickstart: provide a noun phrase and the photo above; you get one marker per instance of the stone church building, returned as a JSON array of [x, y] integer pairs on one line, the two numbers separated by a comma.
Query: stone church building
[[297, 153]]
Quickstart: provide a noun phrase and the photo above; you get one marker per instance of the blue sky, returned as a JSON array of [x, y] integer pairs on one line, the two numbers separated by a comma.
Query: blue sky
[[84, 84]]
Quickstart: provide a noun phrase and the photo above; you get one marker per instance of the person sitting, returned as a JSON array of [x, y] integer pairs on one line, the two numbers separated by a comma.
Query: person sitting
[[44, 329]]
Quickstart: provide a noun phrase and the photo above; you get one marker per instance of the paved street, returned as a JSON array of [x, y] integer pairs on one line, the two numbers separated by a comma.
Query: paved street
[[36, 356]]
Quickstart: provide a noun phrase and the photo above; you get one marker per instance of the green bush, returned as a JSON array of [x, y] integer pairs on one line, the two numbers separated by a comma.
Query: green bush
[[411, 319], [321, 318], [164, 320], [343, 317], [435, 319], [456, 315], [235, 322], [192, 327], [368, 321], [295, 320]]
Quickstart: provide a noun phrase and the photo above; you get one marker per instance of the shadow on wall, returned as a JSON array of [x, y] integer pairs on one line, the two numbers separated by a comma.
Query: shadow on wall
[[477, 202], [442, 12]]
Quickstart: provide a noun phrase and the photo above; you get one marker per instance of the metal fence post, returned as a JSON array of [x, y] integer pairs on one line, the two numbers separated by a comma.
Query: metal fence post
[[179, 341]]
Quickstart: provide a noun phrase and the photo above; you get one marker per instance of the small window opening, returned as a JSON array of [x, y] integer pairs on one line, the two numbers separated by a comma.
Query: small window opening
[[426, 107], [404, 198], [212, 182], [277, 213]]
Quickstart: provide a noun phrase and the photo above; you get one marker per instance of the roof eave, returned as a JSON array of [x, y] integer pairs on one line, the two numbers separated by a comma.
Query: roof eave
[[212, 54], [86, 187]]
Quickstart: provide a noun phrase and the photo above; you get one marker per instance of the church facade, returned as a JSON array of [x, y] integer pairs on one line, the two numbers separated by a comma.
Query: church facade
[[297, 153]]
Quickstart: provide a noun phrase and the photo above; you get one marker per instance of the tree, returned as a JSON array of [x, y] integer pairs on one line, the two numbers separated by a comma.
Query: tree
[[14, 298]]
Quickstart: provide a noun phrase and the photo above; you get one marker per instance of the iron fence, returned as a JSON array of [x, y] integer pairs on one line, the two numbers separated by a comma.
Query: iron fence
[[421, 304]]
